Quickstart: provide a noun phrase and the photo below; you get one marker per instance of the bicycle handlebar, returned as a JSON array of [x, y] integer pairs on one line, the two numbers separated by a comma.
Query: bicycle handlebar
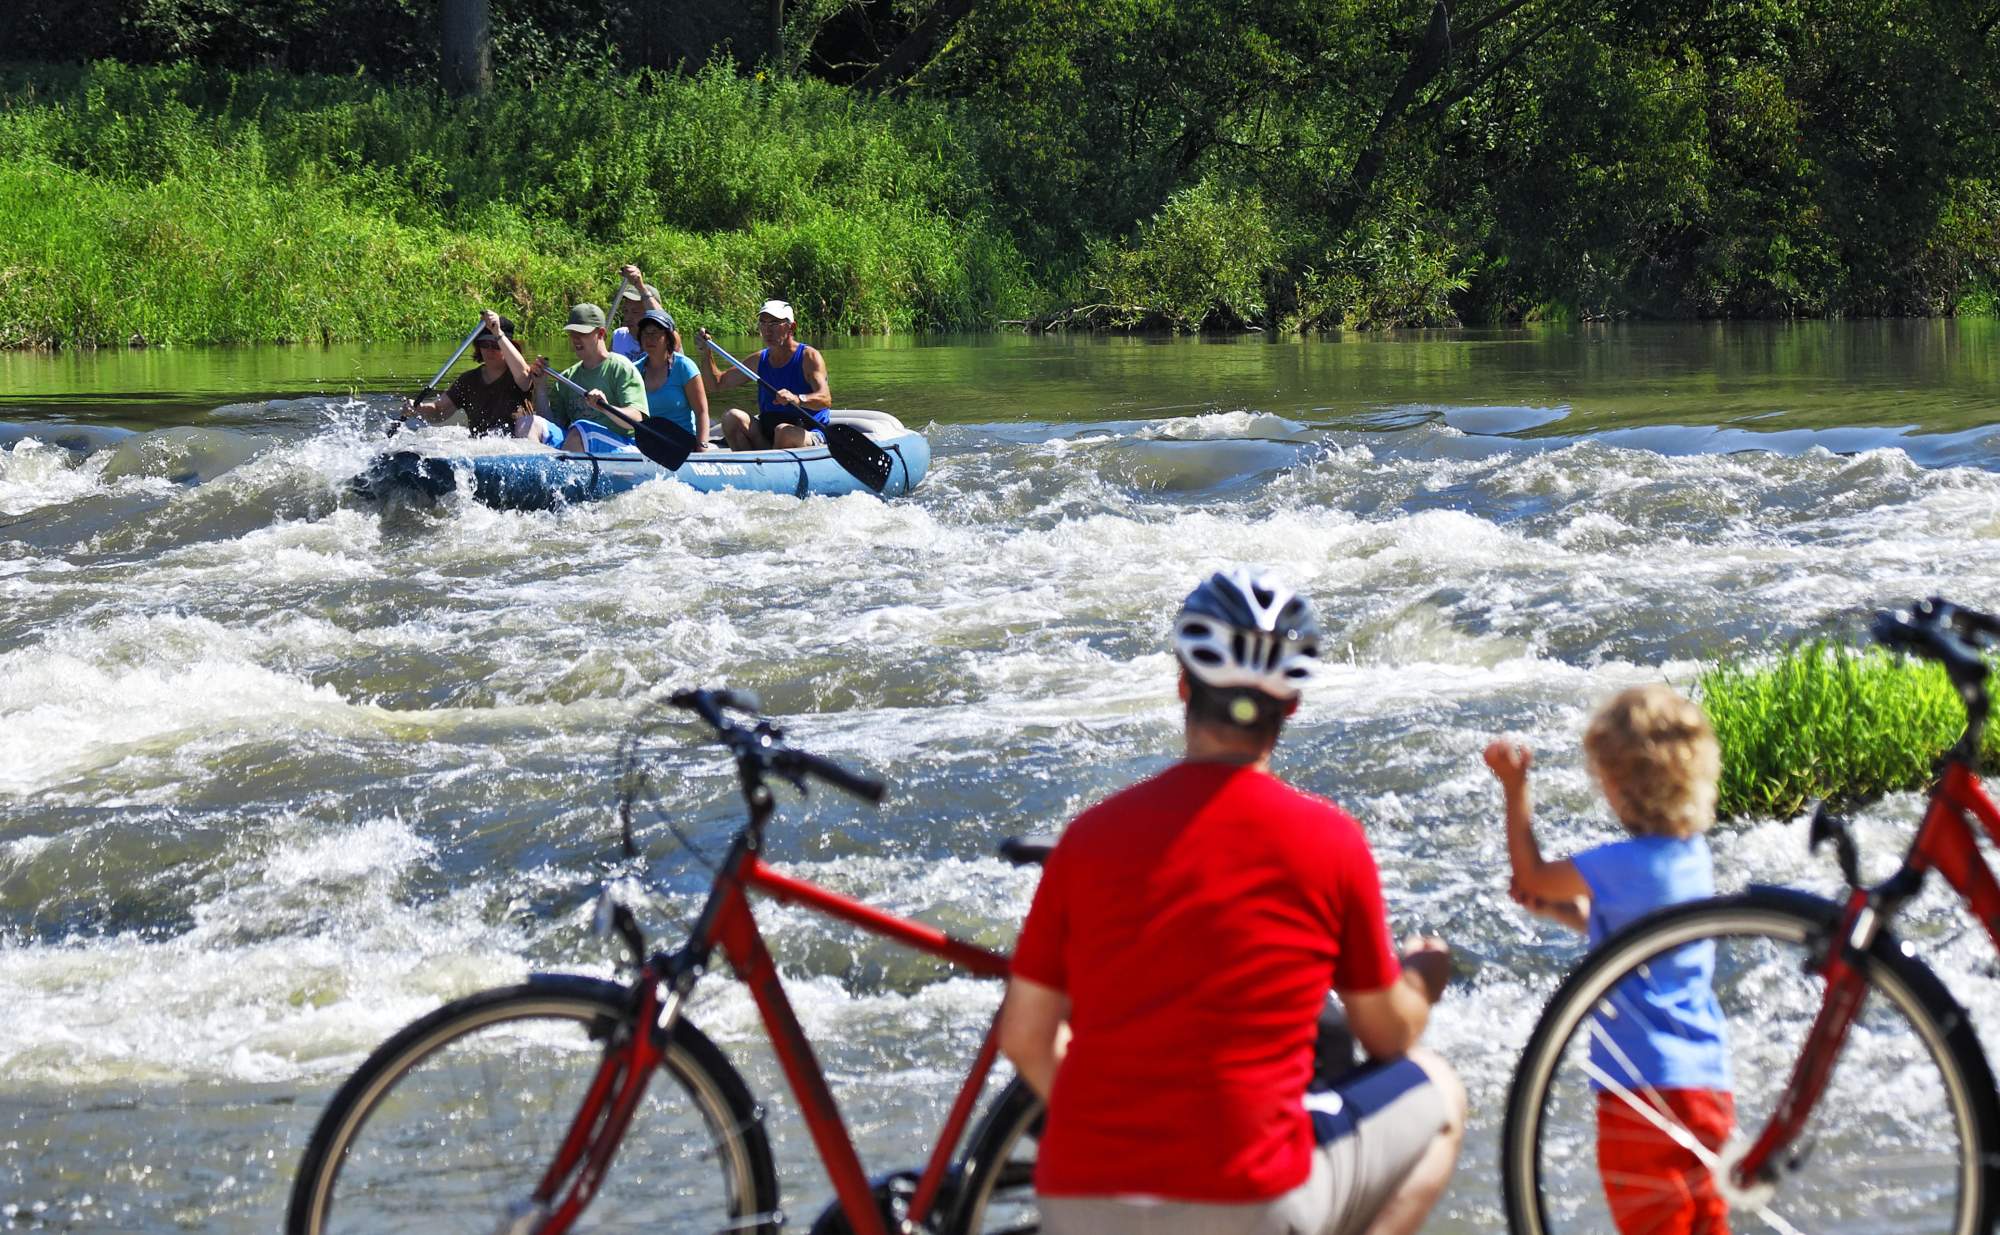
[[868, 788], [760, 745], [1936, 629]]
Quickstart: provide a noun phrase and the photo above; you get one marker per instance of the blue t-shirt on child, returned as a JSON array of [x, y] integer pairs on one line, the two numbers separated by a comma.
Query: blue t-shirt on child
[[1662, 1026], [671, 400]]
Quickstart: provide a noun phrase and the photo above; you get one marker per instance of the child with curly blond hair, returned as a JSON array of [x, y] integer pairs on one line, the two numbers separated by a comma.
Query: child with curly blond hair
[[1659, 1041]]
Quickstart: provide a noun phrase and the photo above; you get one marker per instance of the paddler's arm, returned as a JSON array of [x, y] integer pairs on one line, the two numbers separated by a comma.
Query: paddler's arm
[[539, 374], [713, 376], [697, 396], [625, 397], [631, 274], [517, 364], [1031, 1031], [432, 411], [626, 416]]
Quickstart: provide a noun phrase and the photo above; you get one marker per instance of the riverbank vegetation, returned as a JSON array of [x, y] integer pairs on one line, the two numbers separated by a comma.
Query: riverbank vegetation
[[182, 204], [1828, 721], [295, 171]]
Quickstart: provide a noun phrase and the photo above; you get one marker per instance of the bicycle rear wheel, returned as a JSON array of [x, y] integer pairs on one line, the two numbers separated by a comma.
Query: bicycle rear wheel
[[449, 1125], [996, 1192], [1896, 1143]]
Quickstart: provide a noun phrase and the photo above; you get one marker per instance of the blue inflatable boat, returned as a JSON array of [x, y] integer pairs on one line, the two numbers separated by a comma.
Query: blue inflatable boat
[[519, 475]]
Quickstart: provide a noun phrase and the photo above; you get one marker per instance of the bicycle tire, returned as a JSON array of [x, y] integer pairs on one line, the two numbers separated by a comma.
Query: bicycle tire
[[1911, 1150], [453, 1120], [996, 1173]]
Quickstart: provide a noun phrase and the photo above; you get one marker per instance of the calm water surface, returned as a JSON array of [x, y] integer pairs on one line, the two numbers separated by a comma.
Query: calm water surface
[[284, 771]]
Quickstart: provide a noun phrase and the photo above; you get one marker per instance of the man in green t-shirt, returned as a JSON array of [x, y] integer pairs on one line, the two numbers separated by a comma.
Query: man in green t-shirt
[[617, 393]]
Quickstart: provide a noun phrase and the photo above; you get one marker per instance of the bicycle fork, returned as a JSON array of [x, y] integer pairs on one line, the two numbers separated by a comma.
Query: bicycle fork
[[602, 1118], [1846, 990]]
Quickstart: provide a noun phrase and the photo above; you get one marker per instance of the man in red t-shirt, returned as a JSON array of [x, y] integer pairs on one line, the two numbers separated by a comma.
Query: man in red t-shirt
[[1187, 931]]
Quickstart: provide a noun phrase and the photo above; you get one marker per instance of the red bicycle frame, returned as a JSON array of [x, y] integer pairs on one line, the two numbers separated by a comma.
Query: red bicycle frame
[[1946, 843], [727, 923], [734, 929]]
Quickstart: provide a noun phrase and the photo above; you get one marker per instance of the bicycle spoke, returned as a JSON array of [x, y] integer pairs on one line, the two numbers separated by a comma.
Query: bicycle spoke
[[464, 1130]]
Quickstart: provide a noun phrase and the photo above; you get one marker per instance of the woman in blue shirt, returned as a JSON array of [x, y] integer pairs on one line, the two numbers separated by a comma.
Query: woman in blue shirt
[[673, 383]]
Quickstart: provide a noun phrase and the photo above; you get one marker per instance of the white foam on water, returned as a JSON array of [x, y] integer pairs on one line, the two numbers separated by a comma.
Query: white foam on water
[[35, 475], [298, 969], [1222, 426], [1019, 603], [63, 713]]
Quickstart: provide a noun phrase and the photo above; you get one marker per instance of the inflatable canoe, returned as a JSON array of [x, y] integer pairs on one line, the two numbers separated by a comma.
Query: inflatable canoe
[[521, 475]]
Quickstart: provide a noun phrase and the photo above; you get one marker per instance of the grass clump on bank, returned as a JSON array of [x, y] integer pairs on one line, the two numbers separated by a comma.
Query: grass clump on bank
[[1825, 720], [190, 205]]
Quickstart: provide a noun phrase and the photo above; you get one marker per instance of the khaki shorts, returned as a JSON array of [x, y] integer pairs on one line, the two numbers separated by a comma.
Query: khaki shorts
[[1372, 1126]]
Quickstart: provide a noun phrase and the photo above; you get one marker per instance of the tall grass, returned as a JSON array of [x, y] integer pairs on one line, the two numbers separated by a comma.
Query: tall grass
[[1824, 720], [194, 205]]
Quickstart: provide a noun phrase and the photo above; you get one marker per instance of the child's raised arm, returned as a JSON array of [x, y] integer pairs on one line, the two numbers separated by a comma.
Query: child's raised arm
[[1537, 881]]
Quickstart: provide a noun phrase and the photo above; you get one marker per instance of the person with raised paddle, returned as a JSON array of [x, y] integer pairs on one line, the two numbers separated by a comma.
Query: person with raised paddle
[[636, 298], [1186, 931], [492, 396], [790, 378], [611, 387]]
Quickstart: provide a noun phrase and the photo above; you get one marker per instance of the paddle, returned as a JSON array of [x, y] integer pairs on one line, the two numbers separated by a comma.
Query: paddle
[[849, 446], [431, 387], [662, 441]]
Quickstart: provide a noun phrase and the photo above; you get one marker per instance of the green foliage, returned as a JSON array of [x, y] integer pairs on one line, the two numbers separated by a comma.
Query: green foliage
[[1200, 261], [725, 189], [1296, 164], [1827, 721], [1394, 269]]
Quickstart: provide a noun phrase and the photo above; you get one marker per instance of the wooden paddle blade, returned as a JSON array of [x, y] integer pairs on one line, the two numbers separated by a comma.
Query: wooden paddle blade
[[664, 442]]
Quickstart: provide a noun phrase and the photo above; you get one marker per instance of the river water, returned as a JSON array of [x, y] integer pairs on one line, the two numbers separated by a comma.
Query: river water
[[283, 771]]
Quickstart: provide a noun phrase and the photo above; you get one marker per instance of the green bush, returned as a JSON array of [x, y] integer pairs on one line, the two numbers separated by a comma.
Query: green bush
[[1200, 261], [228, 196], [1827, 721], [1394, 271]]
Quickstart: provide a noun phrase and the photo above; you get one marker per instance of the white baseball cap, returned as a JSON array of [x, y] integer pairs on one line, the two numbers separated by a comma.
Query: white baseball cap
[[780, 309]]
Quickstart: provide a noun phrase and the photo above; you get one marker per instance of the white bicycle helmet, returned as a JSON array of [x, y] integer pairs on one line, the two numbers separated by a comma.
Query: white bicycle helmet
[[1246, 628]]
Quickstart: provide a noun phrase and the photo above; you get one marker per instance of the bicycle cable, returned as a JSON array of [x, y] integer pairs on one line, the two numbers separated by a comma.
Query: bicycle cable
[[636, 779]]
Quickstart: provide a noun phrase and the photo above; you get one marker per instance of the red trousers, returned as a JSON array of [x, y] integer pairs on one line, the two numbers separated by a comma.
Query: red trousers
[[1655, 1186]]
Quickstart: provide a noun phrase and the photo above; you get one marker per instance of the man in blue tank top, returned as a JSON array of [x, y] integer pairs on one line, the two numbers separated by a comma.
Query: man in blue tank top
[[796, 371]]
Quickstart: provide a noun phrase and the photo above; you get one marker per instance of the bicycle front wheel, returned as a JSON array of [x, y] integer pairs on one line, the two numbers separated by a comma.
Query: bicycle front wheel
[[1896, 1143], [996, 1175], [450, 1125]]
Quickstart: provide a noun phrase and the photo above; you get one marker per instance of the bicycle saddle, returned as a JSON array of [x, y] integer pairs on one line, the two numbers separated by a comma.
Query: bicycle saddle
[[1027, 850]]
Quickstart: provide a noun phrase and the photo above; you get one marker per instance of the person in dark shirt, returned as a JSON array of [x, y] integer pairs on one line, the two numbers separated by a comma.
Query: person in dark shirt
[[493, 395]]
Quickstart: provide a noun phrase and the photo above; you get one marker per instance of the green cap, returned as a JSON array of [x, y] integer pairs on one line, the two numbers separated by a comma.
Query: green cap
[[585, 317]]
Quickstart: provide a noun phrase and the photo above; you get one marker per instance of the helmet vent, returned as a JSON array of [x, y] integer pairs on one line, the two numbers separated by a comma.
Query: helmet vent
[[1246, 630]]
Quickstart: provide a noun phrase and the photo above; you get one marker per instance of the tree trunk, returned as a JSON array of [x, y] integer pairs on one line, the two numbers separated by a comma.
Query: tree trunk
[[467, 43], [912, 53], [777, 33], [1427, 60]]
